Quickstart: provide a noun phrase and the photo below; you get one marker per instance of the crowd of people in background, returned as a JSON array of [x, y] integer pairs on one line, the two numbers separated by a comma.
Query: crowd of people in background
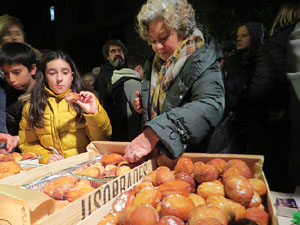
[[171, 103]]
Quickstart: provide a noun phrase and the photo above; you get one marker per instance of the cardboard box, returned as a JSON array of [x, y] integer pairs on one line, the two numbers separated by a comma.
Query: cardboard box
[[254, 162]]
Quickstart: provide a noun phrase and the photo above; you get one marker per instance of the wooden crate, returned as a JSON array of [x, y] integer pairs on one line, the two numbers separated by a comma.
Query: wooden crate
[[28, 176], [85, 206], [254, 162]]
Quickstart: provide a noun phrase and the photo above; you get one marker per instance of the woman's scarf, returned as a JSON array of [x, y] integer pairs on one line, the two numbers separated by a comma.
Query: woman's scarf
[[163, 74]]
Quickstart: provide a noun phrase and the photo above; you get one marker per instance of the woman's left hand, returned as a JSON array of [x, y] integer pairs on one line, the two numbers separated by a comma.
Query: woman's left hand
[[88, 102], [141, 146]]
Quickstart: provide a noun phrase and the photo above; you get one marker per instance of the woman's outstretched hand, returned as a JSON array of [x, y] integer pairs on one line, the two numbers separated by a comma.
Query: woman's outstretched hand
[[141, 146]]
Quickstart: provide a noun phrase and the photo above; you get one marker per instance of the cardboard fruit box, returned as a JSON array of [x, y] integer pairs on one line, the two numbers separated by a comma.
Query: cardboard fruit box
[[86, 205], [254, 162]]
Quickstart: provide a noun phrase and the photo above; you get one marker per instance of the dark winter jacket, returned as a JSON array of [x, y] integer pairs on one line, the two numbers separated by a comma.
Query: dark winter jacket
[[269, 101], [293, 69], [101, 84], [14, 114], [125, 121], [239, 71], [2, 111], [269, 88], [193, 106]]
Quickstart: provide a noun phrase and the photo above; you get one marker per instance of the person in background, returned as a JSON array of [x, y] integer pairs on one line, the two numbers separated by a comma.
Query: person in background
[[126, 122], [96, 71], [228, 50], [182, 97], [49, 122], [293, 73], [7, 142], [114, 52], [19, 66], [239, 72], [11, 30], [269, 98], [89, 80]]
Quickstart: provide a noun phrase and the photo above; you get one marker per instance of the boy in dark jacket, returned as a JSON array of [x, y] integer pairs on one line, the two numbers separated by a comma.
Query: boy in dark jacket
[[18, 64]]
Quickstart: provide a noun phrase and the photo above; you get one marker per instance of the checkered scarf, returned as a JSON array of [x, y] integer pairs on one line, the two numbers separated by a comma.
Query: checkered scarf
[[163, 74]]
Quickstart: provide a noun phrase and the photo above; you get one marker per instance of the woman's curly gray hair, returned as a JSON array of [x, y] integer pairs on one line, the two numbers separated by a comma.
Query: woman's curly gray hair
[[177, 14]]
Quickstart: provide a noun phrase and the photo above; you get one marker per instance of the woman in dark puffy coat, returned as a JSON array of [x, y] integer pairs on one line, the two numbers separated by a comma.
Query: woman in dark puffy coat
[[182, 89], [269, 97]]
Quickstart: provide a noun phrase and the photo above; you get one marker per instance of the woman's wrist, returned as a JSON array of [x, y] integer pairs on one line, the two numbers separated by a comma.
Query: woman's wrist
[[151, 136]]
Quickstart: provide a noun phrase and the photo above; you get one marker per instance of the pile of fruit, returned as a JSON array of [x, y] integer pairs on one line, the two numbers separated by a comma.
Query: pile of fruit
[[218, 192], [9, 163], [109, 165], [66, 189]]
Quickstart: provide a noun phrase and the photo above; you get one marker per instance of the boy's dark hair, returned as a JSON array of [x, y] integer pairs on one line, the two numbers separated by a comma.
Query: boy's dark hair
[[17, 53], [116, 42], [135, 60]]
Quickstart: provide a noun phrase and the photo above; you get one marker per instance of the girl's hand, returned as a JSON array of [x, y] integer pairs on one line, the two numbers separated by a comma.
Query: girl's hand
[[54, 158], [141, 146], [88, 102], [137, 104]]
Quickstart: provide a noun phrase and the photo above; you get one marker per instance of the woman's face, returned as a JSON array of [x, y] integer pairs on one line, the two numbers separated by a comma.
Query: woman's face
[[13, 34], [164, 40], [243, 38], [59, 76]]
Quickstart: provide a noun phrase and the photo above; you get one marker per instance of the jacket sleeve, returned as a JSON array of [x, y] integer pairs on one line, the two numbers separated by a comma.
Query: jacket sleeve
[[293, 51], [98, 125], [191, 123], [2, 111], [29, 141], [130, 88]]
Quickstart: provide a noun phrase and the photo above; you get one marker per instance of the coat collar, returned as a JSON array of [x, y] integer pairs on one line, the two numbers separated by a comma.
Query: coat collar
[[52, 94]]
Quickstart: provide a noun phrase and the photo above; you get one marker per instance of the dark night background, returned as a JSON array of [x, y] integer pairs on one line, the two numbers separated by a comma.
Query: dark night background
[[81, 27]]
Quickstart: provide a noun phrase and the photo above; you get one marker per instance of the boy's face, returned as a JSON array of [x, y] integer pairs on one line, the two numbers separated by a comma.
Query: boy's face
[[18, 76]]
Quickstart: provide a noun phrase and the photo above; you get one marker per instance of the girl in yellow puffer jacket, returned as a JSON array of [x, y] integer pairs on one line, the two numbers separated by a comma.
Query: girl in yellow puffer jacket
[[50, 122]]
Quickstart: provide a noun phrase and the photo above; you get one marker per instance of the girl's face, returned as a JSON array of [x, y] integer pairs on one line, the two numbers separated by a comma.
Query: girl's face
[[164, 40], [13, 34], [59, 76]]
